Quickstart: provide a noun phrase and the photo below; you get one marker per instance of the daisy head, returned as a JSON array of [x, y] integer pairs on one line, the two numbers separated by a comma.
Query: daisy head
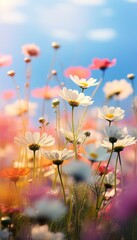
[[109, 180], [119, 89], [120, 144], [83, 82], [78, 170], [74, 98], [34, 141], [80, 137], [96, 154], [111, 114], [58, 156], [114, 133]]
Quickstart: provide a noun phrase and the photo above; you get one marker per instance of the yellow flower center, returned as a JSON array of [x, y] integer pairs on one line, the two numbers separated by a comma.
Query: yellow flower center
[[109, 115], [84, 84], [93, 155]]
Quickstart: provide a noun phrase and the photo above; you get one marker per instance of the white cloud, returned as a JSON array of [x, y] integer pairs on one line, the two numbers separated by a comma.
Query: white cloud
[[63, 34], [89, 2], [10, 13], [103, 34], [62, 17]]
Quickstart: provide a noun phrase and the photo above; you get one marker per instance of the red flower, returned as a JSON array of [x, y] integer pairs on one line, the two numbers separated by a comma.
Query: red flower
[[31, 50], [102, 64], [14, 173], [102, 168], [79, 71]]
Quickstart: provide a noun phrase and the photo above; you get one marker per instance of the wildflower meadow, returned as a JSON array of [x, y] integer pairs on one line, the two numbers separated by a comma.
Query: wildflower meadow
[[68, 168]]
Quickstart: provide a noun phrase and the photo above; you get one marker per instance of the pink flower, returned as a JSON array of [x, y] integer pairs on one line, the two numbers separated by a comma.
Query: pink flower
[[8, 129], [45, 92], [8, 94], [79, 71], [102, 64], [31, 50], [5, 60]]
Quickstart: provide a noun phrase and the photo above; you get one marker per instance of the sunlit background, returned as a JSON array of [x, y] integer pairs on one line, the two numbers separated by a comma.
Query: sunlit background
[[84, 28]]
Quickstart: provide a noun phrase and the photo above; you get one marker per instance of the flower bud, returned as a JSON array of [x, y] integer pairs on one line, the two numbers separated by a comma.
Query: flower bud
[[55, 102], [55, 45], [11, 73], [131, 76], [27, 60]]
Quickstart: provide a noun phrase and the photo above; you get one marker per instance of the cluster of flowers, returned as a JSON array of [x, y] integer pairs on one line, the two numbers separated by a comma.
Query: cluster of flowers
[[67, 179]]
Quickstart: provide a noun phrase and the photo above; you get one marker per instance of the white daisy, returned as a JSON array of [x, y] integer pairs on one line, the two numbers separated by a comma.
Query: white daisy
[[58, 156], [34, 141], [80, 137], [54, 209], [109, 180], [80, 171], [120, 144], [74, 98], [83, 83], [119, 89], [111, 113], [20, 107], [114, 133], [96, 154]]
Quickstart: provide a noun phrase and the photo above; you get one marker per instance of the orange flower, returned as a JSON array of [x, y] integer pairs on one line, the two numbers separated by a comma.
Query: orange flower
[[45, 92], [79, 71], [14, 173]]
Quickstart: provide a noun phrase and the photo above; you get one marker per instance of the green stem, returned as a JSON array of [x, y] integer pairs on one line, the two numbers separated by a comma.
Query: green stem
[[107, 166], [62, 185], [92, 96], [58, 125], [34, 165], [121, 169], [98, 167], [97, 87], [77, 216], [101, 185], [74, 136], [116, 173]]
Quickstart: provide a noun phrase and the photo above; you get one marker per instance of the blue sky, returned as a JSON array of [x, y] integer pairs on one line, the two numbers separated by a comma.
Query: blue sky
[[84, 28]]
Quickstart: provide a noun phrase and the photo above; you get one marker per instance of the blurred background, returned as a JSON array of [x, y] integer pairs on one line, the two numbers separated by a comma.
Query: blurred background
[[85, 29]]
